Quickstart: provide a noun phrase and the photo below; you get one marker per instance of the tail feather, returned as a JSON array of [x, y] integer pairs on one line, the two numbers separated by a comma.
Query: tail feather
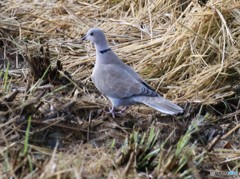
[[161, 104]]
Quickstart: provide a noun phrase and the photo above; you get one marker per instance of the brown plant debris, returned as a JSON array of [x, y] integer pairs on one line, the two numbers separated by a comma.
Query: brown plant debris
[[52, 118]]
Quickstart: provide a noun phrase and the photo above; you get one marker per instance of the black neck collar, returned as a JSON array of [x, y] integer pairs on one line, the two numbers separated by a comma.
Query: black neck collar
[[104, 51]]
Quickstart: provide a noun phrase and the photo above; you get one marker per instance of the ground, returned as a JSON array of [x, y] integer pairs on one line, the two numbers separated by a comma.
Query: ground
[[53, 120]]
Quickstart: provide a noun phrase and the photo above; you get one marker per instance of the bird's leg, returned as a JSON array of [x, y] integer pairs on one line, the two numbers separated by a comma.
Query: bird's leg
[[123, 109], [112, 111]]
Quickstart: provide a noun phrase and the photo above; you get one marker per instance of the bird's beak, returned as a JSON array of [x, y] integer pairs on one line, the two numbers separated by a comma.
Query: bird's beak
[[84, 38]]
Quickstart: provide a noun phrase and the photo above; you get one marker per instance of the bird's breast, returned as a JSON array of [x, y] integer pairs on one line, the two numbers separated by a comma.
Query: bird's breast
[[99, 78]]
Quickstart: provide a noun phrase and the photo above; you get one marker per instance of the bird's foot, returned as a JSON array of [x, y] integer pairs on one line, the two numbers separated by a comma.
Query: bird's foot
[[123, 109], [114, 113]]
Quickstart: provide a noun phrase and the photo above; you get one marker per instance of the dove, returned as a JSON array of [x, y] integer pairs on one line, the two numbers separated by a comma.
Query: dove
[[119, 82]]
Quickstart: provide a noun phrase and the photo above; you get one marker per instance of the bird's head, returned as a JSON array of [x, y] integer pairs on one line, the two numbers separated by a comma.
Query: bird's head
[[95, 36]]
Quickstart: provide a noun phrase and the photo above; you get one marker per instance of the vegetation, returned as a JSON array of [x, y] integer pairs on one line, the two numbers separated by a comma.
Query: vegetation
[[53, 122]]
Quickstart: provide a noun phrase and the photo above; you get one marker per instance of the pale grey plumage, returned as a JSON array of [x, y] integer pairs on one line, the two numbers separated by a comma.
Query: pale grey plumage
[[119, 82]]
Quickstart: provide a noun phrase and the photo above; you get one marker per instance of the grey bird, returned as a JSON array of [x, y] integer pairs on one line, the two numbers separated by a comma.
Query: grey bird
[[119, 82]]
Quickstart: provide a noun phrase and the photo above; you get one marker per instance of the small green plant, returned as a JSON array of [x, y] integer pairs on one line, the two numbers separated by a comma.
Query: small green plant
[[140, 150], [40, 80], [26, 140], [177, 160], [145, 153]]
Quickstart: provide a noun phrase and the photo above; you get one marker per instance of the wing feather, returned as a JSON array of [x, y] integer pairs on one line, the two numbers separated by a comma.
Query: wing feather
[[116, 81]]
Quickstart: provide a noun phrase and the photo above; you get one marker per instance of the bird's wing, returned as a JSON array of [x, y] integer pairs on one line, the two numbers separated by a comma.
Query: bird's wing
[[115, 81]]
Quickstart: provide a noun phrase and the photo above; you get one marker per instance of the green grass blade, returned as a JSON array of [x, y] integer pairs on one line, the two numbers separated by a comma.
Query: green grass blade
[[26, 140]]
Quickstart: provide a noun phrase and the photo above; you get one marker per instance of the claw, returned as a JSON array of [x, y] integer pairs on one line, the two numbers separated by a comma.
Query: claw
[[123, 109], [112, 111]]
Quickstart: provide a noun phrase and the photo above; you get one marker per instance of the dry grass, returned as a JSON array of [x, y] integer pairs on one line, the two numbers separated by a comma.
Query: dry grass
[[189, 53]]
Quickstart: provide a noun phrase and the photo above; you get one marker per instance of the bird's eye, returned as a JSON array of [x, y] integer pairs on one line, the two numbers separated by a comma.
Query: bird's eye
[[91, 33]]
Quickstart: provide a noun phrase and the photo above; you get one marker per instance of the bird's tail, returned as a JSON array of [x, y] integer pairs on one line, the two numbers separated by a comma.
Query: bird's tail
[[161, 104]]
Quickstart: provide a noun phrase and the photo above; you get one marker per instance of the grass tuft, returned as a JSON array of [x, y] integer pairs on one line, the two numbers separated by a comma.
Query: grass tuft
[[52, 118]]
